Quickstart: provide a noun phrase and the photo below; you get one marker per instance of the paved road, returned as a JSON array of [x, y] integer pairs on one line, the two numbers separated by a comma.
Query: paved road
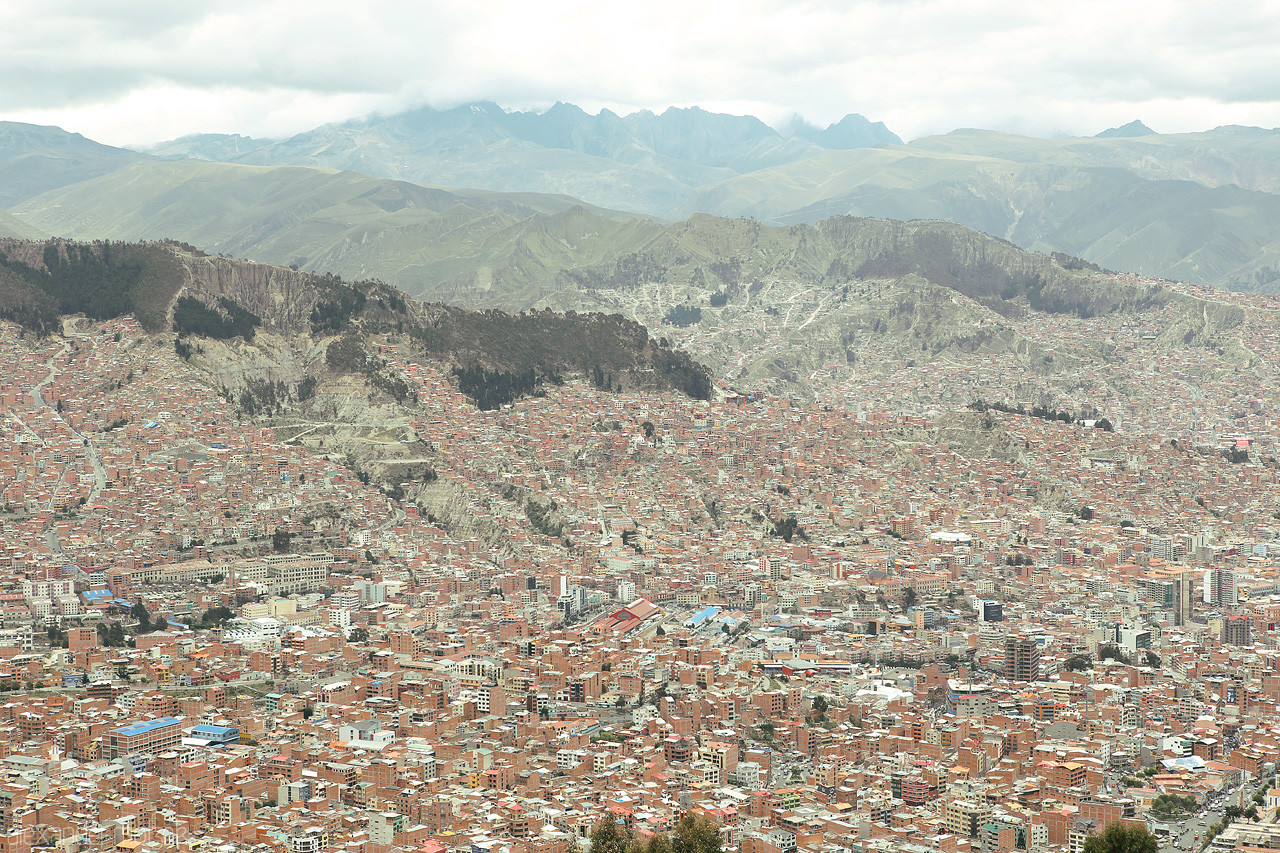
[[52, 533], [1186, 841], [398, 516]]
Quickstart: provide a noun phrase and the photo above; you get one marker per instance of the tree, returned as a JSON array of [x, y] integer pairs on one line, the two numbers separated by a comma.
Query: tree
[[629, 541], [683, 315], [787, 528], [1078, 663], [359, 634], [1174, 806], [609, 836], [1112, 652], [694, 834], [115, 635], [280, 541], [909, 597], [648, 428], [140, 613], [1234, 455], [820, 704], [1122, 838], [216, 614], [659, 844]]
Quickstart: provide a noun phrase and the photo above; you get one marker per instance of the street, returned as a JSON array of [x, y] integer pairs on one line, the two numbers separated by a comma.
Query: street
[[1198, 826]]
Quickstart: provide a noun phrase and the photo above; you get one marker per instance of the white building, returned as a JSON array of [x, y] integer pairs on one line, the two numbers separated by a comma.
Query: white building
[[1220, 587], [365, 734], [384, 826]]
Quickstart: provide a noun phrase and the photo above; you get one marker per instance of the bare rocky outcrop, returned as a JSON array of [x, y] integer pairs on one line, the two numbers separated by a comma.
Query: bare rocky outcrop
[[282, 297]]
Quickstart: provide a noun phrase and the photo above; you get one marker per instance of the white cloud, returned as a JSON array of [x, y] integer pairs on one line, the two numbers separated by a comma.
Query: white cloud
[[140, 70]]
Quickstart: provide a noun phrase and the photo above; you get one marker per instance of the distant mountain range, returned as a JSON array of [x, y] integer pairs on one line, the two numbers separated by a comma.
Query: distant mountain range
[[1203, 207], [1198, 207], [642, 162]]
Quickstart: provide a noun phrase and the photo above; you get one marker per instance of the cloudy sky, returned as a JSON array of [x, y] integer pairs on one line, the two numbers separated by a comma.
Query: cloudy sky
[[138, 71]]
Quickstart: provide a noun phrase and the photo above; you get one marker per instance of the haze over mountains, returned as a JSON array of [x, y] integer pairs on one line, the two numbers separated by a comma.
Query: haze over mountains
[[793, 299], [1201, 207], [641, 162]]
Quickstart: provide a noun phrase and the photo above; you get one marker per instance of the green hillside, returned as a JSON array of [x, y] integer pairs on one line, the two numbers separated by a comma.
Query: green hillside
[[463, 246], [518, 252], [1199, 206], [12, 226], [1195, 207], [40, 281], [1173, 229], [35, 159]]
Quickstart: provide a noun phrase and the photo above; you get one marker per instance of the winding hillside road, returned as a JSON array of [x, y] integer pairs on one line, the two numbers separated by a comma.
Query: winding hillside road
[[91, 451]]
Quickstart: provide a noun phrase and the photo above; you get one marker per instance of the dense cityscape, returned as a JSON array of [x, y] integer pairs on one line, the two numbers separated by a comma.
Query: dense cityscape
[[891, 618]]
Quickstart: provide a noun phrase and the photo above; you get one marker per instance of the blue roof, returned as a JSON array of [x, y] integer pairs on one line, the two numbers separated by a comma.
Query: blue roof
[[205, 729], [146, 726], [704, 615], [1191, 761]]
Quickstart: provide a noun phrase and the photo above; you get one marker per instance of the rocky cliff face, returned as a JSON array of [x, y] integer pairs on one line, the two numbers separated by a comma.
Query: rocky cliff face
[[28, 252], [282, 297]]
